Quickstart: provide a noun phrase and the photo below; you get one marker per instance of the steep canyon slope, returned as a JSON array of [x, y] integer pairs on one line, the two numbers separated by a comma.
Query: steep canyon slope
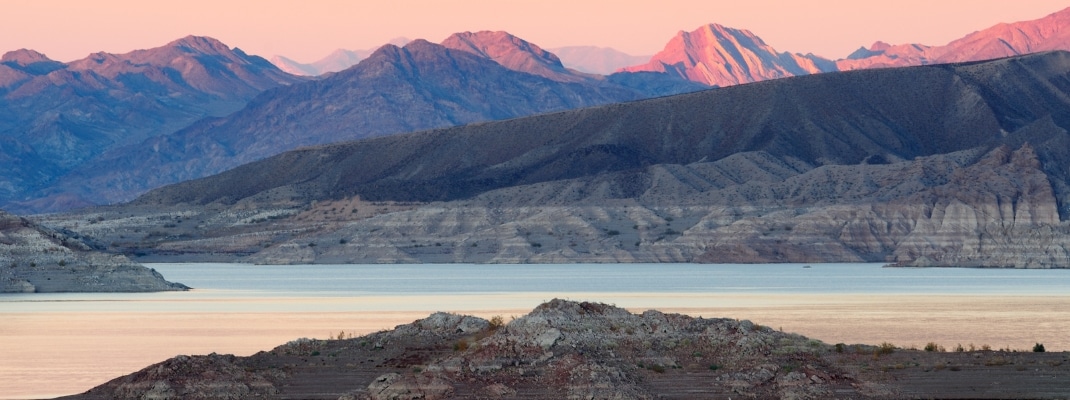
[[957, 165]]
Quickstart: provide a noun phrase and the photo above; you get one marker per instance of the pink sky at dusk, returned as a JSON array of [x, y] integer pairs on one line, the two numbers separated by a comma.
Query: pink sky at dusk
[[308, 30]]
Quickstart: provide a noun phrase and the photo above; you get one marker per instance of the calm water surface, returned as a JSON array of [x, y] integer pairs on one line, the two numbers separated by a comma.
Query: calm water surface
[[245, 281], [61, 343], [659, 278]]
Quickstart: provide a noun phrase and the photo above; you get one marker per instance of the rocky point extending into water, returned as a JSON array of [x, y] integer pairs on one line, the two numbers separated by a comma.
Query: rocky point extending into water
[[37, 259]]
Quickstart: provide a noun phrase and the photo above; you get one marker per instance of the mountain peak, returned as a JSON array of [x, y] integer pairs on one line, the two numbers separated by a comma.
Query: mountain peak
[[724, 31], [200, 44], [718, 55], [512, 52], [879, 45], [203, 63], [24, 57]]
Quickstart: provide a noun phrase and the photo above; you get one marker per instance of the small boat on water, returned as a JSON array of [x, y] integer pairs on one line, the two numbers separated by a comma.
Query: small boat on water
[[806, 266]]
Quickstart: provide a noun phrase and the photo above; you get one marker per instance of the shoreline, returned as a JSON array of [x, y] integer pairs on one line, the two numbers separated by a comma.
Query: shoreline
[[71, 351]]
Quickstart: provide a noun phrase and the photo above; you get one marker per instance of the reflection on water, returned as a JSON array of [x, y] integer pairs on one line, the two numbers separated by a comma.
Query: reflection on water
[[55, 344]]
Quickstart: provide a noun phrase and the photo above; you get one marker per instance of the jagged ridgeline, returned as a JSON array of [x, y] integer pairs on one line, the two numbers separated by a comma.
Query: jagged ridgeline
[[959, 165]]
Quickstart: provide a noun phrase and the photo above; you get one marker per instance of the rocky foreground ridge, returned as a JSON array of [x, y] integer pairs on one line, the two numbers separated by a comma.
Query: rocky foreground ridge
[[36, 259], [573, 350]]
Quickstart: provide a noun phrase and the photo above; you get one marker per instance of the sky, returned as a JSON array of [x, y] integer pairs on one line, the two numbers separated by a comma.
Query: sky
[[307, 30]]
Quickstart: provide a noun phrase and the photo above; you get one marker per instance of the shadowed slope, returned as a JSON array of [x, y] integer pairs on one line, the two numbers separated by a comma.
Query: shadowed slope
[[419, 86], [845, 118], [54, 117]]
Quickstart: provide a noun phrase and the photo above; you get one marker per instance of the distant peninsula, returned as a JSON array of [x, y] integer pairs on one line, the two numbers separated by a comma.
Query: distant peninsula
[[35, 259]]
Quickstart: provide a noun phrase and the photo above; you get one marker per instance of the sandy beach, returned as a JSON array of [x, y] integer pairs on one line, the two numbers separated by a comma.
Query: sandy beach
[[54, 353]]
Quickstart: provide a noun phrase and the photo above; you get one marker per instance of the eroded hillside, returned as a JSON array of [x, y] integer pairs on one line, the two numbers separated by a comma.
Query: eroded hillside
[[957, 165]]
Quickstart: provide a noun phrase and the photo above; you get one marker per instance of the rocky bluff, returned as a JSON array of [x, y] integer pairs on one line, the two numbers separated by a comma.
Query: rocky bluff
[[38, 259]]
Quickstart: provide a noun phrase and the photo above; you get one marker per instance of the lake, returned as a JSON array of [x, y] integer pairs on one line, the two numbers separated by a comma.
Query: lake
[[65, 343]]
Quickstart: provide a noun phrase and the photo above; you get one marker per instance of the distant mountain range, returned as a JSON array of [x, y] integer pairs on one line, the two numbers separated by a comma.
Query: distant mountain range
[[54, 117], [336, 61], [944, 165], [596, 60], [395, 90], [716, 55], [109, 127], [720, 56], [588, 59]]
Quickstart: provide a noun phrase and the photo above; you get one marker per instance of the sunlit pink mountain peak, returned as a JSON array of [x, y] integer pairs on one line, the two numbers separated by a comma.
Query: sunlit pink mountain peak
[[24, 57], [718, 55]]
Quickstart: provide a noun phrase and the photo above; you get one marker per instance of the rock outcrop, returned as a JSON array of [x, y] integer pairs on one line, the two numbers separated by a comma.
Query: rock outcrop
[[584, 350], [562, 349], [36, 259]]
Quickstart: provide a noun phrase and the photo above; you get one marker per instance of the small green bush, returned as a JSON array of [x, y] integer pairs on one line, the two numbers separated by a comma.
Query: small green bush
[[1038, 348], [931, 347]]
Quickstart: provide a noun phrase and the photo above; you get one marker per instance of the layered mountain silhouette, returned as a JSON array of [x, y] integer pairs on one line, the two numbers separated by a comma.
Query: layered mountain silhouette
[[862, 117], [54, 117], [1003, 40], [720, 56], [596, 60], [953, 165], [397, 89], [134, 114], [336, 61]]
